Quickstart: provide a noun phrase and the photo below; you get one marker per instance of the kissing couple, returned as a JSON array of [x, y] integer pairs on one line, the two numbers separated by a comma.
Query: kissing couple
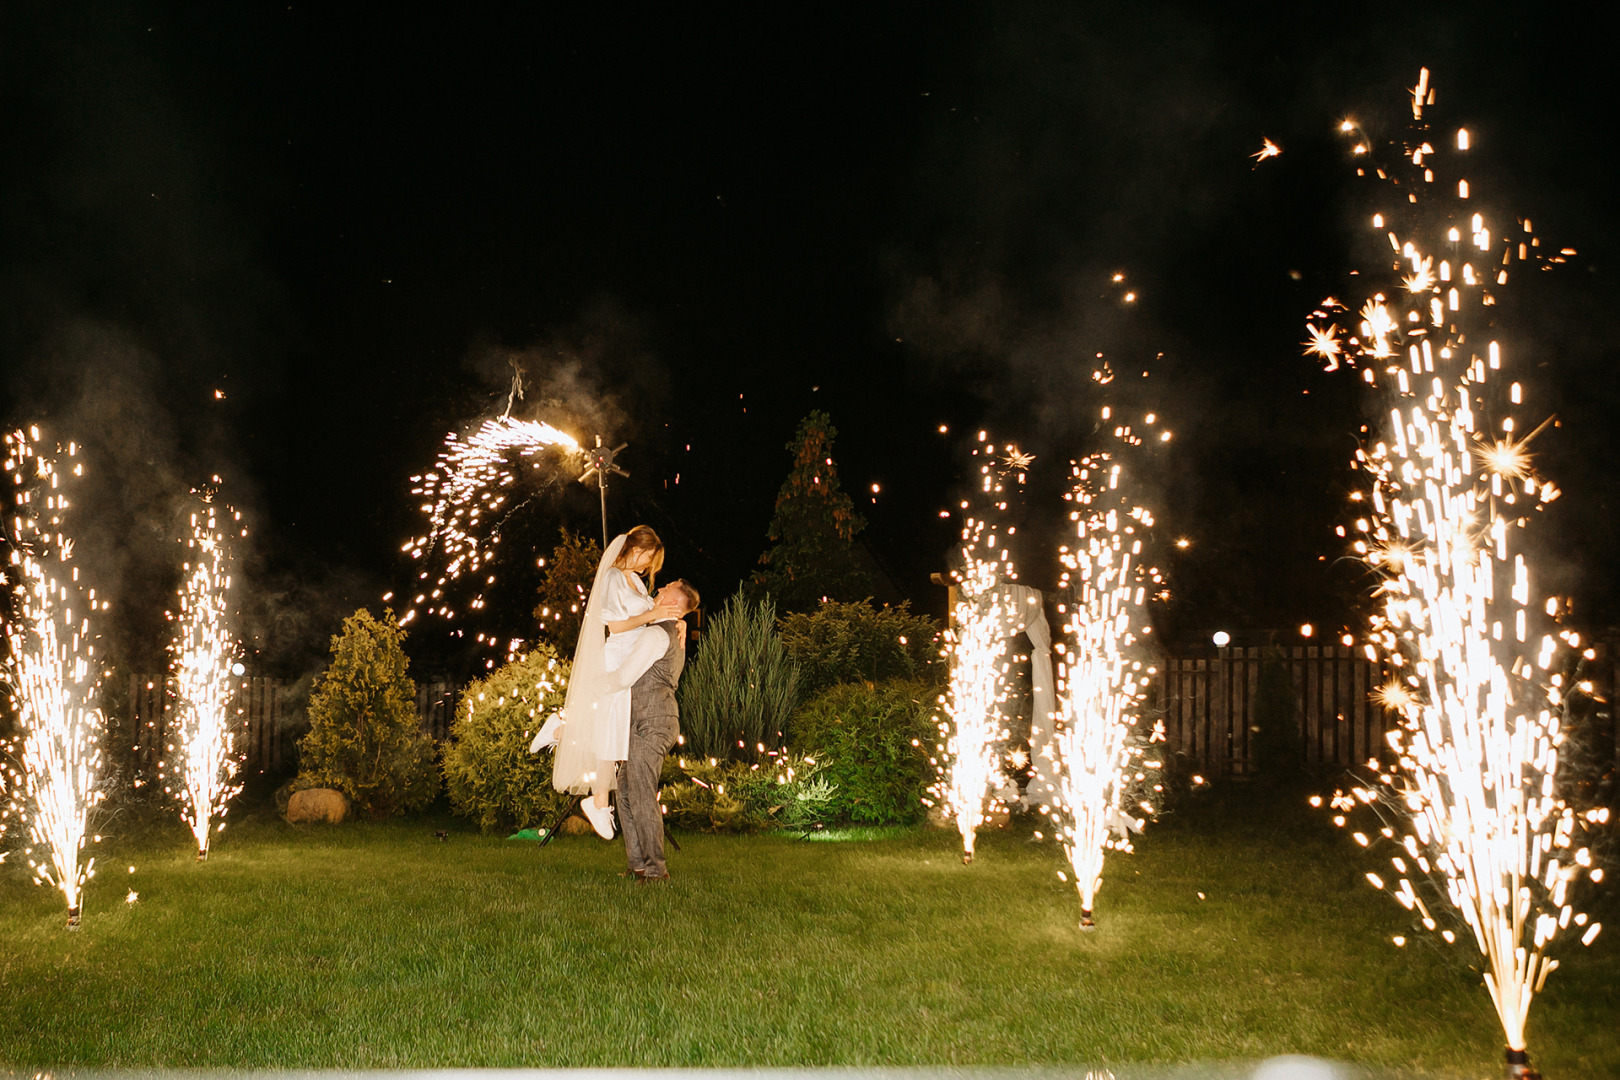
[[619, 718]]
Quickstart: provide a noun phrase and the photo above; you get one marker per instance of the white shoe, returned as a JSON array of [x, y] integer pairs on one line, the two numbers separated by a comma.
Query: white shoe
[[600, 817], [548, 735]]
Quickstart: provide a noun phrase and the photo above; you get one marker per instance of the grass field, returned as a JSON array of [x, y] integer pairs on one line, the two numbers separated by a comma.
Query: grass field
[[377, 945]]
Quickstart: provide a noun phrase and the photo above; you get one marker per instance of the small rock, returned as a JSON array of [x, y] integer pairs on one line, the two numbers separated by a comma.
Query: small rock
[[317, 804], [576, 826]]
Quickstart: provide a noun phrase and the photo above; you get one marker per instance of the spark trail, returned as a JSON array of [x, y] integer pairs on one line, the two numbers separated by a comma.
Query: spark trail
[[466, 495], [1469, 799], [52, 671]]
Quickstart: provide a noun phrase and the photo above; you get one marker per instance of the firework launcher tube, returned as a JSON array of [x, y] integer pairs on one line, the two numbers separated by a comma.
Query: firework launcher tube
[[202, 854], [1519, 1067], [1087, 920], [74, 918]]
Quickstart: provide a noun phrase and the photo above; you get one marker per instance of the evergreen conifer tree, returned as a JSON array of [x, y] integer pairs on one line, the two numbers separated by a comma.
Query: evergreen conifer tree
[[812, 533], [570, 572], [364, 738]]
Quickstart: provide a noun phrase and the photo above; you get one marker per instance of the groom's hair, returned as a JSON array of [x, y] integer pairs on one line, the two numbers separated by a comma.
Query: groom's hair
[[691, 594]]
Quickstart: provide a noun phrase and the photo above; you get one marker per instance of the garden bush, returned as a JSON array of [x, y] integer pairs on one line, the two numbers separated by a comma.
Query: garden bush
[[713, 795], [854, 642], [742, 686], [364, 738], [871, 743], [491, 777]]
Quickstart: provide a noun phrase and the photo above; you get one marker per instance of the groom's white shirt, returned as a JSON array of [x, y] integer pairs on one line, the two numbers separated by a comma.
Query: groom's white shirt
[[647, 650]]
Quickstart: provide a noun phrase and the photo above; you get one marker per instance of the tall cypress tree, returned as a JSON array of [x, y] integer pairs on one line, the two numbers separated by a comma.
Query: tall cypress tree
[[812, 534]]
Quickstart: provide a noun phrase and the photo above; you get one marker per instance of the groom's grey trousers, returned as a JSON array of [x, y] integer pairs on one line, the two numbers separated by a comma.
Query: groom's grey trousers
[[654, 725]]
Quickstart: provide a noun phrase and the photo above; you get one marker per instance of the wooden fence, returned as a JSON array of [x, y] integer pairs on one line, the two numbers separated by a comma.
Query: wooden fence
[[1208, 700], [1209, 703], [264, 737]]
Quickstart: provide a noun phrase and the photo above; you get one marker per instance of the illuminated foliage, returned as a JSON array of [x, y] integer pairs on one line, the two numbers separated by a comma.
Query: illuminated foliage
[[489, 773]]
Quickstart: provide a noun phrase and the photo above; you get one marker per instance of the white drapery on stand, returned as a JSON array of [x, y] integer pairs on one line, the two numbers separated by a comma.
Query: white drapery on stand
[[1023, 611]]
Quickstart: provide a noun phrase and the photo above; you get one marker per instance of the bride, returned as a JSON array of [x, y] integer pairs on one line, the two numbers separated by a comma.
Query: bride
[[592, 733]]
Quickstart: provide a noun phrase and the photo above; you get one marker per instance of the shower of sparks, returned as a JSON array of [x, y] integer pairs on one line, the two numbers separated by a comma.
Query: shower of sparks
[[972, 724], [1268, 149], [1103, 737], [1471, 801], [976, 647], [204, 764], [52, 671], [465, 497]]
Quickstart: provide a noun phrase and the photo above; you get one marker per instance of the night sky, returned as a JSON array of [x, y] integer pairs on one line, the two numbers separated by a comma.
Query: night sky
[[689, 227]]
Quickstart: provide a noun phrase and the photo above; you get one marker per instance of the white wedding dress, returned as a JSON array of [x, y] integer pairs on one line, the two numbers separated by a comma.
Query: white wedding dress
[[595, 733]]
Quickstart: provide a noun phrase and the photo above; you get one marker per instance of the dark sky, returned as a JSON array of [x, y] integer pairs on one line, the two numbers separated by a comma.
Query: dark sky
[[691, 226]]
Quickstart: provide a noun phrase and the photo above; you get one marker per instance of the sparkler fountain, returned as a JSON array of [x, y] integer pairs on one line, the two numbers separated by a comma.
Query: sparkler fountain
[[1102, 738], [976, 648], [52, 671], [204, 653], [1469, 799]]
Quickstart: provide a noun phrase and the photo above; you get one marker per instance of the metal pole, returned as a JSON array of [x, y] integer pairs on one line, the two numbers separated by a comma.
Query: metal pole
[[601, 477]]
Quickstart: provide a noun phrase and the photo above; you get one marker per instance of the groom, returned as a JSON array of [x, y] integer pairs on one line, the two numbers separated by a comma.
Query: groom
[[654, 726]]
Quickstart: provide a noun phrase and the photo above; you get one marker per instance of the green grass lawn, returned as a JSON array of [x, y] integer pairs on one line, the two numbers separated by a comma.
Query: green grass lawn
[[376, 945]]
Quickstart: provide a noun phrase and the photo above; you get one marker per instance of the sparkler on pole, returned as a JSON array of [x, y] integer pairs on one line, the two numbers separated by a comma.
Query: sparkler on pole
[[52, 671], [466, 496], [1470, 801], [204, 764], [1102, 736], [598, 463]]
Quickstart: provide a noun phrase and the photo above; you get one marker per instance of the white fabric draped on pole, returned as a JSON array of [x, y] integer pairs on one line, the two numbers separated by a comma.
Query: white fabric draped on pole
[[1023, 611]]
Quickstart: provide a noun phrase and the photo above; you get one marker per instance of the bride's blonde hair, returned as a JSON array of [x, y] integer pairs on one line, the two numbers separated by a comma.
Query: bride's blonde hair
[[639, 539]]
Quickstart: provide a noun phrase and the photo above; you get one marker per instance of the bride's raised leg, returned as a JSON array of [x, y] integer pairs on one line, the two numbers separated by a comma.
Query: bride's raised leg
[[596, 808]]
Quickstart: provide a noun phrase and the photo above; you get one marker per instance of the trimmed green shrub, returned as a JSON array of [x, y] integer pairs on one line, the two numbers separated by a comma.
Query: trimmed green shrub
[[856, 642], [741, 687], [364, 738], [491, 777], [871, 742]]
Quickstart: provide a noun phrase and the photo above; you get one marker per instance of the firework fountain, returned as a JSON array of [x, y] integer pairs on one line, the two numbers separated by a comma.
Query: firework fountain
[[204, 763], [1469, 797], [972, 724], [52, 672], [466, 495], [1102, 737]]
